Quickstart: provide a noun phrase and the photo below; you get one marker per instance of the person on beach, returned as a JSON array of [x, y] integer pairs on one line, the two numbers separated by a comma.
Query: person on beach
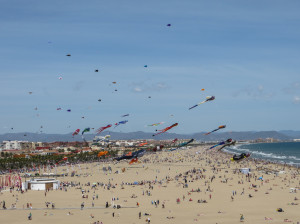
[[242, 218], [30, 216]]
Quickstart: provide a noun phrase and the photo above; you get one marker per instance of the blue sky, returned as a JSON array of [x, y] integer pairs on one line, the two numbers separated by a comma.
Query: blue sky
[[246, 54]]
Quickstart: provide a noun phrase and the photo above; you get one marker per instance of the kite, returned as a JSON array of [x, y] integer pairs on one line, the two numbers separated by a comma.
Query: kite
[[125, 115], [114, 82], [96, 70], [85, 130], [142, 144], [132, 155], [208, 98], [59, 108], [102, 153], [69, 110], [168, 24], [183, 144], [156, 124], [166, 129], [68, 55], [35, 108], [175, 140], [202, 89], [99, 130], [240, 157], [145, 66], [30, 92], [149, 97], [134, 160], [228, 141], [76, 132], [60, 78], [99, 100], [220, 127], [120, 122]]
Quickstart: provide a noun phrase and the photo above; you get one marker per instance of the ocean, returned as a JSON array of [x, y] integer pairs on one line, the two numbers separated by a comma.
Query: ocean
[[283, 152]]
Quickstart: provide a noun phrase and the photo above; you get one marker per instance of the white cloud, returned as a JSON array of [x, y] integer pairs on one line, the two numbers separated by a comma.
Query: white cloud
[[296, 100]]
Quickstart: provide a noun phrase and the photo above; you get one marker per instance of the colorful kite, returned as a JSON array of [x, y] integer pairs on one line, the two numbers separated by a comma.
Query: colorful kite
[[102, 153], [76, 132], [85, 130], [156, 124], [174, 140], [120, 122], [183, 144], [228, 141], [166, 129], [208, 98], [99, 130], [220, 127]]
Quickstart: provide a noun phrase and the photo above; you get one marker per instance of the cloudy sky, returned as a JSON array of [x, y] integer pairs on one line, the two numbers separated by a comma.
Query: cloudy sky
[[245, 53]]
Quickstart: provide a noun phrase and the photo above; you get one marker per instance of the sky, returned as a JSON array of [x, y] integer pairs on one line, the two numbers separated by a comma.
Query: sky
[[245, 53]]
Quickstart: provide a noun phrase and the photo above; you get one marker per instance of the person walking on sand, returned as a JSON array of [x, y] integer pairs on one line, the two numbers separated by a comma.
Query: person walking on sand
[[140, 215], [242, 218]]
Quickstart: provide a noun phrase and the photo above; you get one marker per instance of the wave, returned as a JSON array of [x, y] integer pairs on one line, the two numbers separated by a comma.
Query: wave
[[259, 154]]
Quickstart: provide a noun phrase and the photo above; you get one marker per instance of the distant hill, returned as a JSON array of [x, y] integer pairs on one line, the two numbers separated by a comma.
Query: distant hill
[[294, 134], [283, 135]]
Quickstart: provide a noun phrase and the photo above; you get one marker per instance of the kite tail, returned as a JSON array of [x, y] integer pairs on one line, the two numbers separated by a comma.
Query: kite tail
[[193, 106]]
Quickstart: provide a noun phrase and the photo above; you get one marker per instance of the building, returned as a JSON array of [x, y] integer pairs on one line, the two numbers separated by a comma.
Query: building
[[11, 145], [41, 184]]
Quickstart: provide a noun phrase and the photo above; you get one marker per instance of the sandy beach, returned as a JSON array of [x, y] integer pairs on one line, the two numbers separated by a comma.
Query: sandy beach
[[184, 186]]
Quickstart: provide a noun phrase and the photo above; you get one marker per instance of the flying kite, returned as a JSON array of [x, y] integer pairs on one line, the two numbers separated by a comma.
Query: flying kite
[[30, 93], [99, 130], [58, 108], [240, 157], [228, 142], [183, 144], [168, 24], [156, 124], [223, 143], [76, 132], [99, 100], [132, 155], [202, 89], [102, 153], [85, 130], [166, 129], [220, 127], [208, 98], [69, 110], [68, 55], [174, 140], [125, 115], [96, 70], [60, 78], [145, 66], [142, 144], [120, 122]]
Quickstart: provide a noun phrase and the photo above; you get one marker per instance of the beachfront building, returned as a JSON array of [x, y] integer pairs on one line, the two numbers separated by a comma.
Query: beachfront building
[[41, 184], [11, 145]]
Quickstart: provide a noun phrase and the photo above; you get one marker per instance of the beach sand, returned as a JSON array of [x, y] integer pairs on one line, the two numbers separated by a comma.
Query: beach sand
[[165, 173]]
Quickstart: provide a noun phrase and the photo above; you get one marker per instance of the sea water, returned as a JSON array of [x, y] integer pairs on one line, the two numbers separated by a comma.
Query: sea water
[[282, 152]]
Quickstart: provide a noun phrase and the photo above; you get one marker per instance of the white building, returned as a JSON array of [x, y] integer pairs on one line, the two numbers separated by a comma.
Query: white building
[[41, 184], [12, 145]]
